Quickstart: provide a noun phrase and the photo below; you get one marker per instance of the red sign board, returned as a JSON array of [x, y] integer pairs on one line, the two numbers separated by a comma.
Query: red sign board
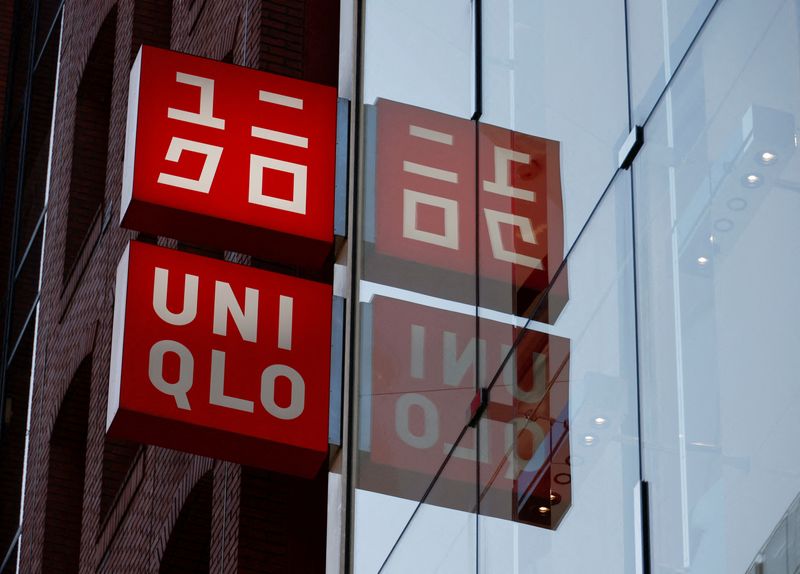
[[423, 380], [428, 193], [229, 157], [212, 358]]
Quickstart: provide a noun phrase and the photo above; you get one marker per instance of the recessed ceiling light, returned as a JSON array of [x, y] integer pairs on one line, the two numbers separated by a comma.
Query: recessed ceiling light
[[768, 157], [702, 260], [752, 180], [588, 440], [600, 421]]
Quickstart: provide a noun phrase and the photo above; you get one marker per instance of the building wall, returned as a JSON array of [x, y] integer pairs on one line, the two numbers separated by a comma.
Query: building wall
[[143, 508]]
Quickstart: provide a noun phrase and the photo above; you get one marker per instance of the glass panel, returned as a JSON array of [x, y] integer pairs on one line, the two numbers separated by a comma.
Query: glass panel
[[9, 190], [419, 358], [793, 535], [718, 275], [441, 536], [417, 382], [571, 393], [46, 22], [38, 142], [420, 53], [660, 34], [775, 559], [17, 384], [18, 77], [557, 70], [26, 287]]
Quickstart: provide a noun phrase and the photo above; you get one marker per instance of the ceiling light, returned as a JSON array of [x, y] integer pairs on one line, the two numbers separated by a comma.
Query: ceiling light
[[600, 421], [768, 157], [702, 260], [588, 440], [752, 180]]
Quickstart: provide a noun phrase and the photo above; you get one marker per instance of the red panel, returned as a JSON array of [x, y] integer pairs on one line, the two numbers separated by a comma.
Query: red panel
[[427, 193], [521, 216], [220, 359], [417, 216], [229, 157]]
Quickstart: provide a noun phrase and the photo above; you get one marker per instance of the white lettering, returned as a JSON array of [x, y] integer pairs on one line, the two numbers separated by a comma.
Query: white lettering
[[285, 313], [417, 352], [538, 376], [189, 311], [413, 198], [502, 158], [205, 117], [455, 366], [468, 452], [155, 370], [493, 220], [298, 400], [225, 303], [514, 442], [218, 396], [297, 204], [203, 183], [430, 433]]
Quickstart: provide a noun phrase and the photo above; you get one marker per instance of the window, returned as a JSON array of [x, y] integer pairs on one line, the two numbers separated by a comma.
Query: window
[[65, 476], [90, 143]]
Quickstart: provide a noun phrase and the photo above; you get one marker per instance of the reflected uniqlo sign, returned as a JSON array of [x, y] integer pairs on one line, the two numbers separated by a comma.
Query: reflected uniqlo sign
[[212, 358], [428, 192], [423, 381], [229, 157]]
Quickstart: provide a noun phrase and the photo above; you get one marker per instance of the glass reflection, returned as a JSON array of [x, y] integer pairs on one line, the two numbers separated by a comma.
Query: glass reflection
[[421, 225], [594, 466], [558, 70], [717, 204], [422, 392]]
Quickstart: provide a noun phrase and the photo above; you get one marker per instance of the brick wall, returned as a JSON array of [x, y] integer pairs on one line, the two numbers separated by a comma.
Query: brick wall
[[138, 502]]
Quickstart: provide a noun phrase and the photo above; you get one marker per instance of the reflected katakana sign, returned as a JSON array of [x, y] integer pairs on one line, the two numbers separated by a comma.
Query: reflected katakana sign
[[440, 198]]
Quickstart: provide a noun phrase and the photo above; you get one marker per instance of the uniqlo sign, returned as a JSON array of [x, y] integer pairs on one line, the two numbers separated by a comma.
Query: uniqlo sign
[[423, 381], [229, 157], [212, 358], [428, 193]]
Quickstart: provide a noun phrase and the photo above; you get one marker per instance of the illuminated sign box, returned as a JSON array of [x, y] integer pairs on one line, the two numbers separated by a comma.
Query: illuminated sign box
[[423, 373], [437, 199], [213, 358], [229, 157]]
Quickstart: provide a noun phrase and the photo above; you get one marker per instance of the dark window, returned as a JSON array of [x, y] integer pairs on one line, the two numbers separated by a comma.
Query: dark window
[[152, 24], [90, 144], [300, 39], [117, 458], [65, 477], [189, 545], [282, 522]]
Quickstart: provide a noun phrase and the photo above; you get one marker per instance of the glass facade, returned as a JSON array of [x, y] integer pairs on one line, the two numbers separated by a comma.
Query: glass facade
[[566, 361], [26, 117]]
